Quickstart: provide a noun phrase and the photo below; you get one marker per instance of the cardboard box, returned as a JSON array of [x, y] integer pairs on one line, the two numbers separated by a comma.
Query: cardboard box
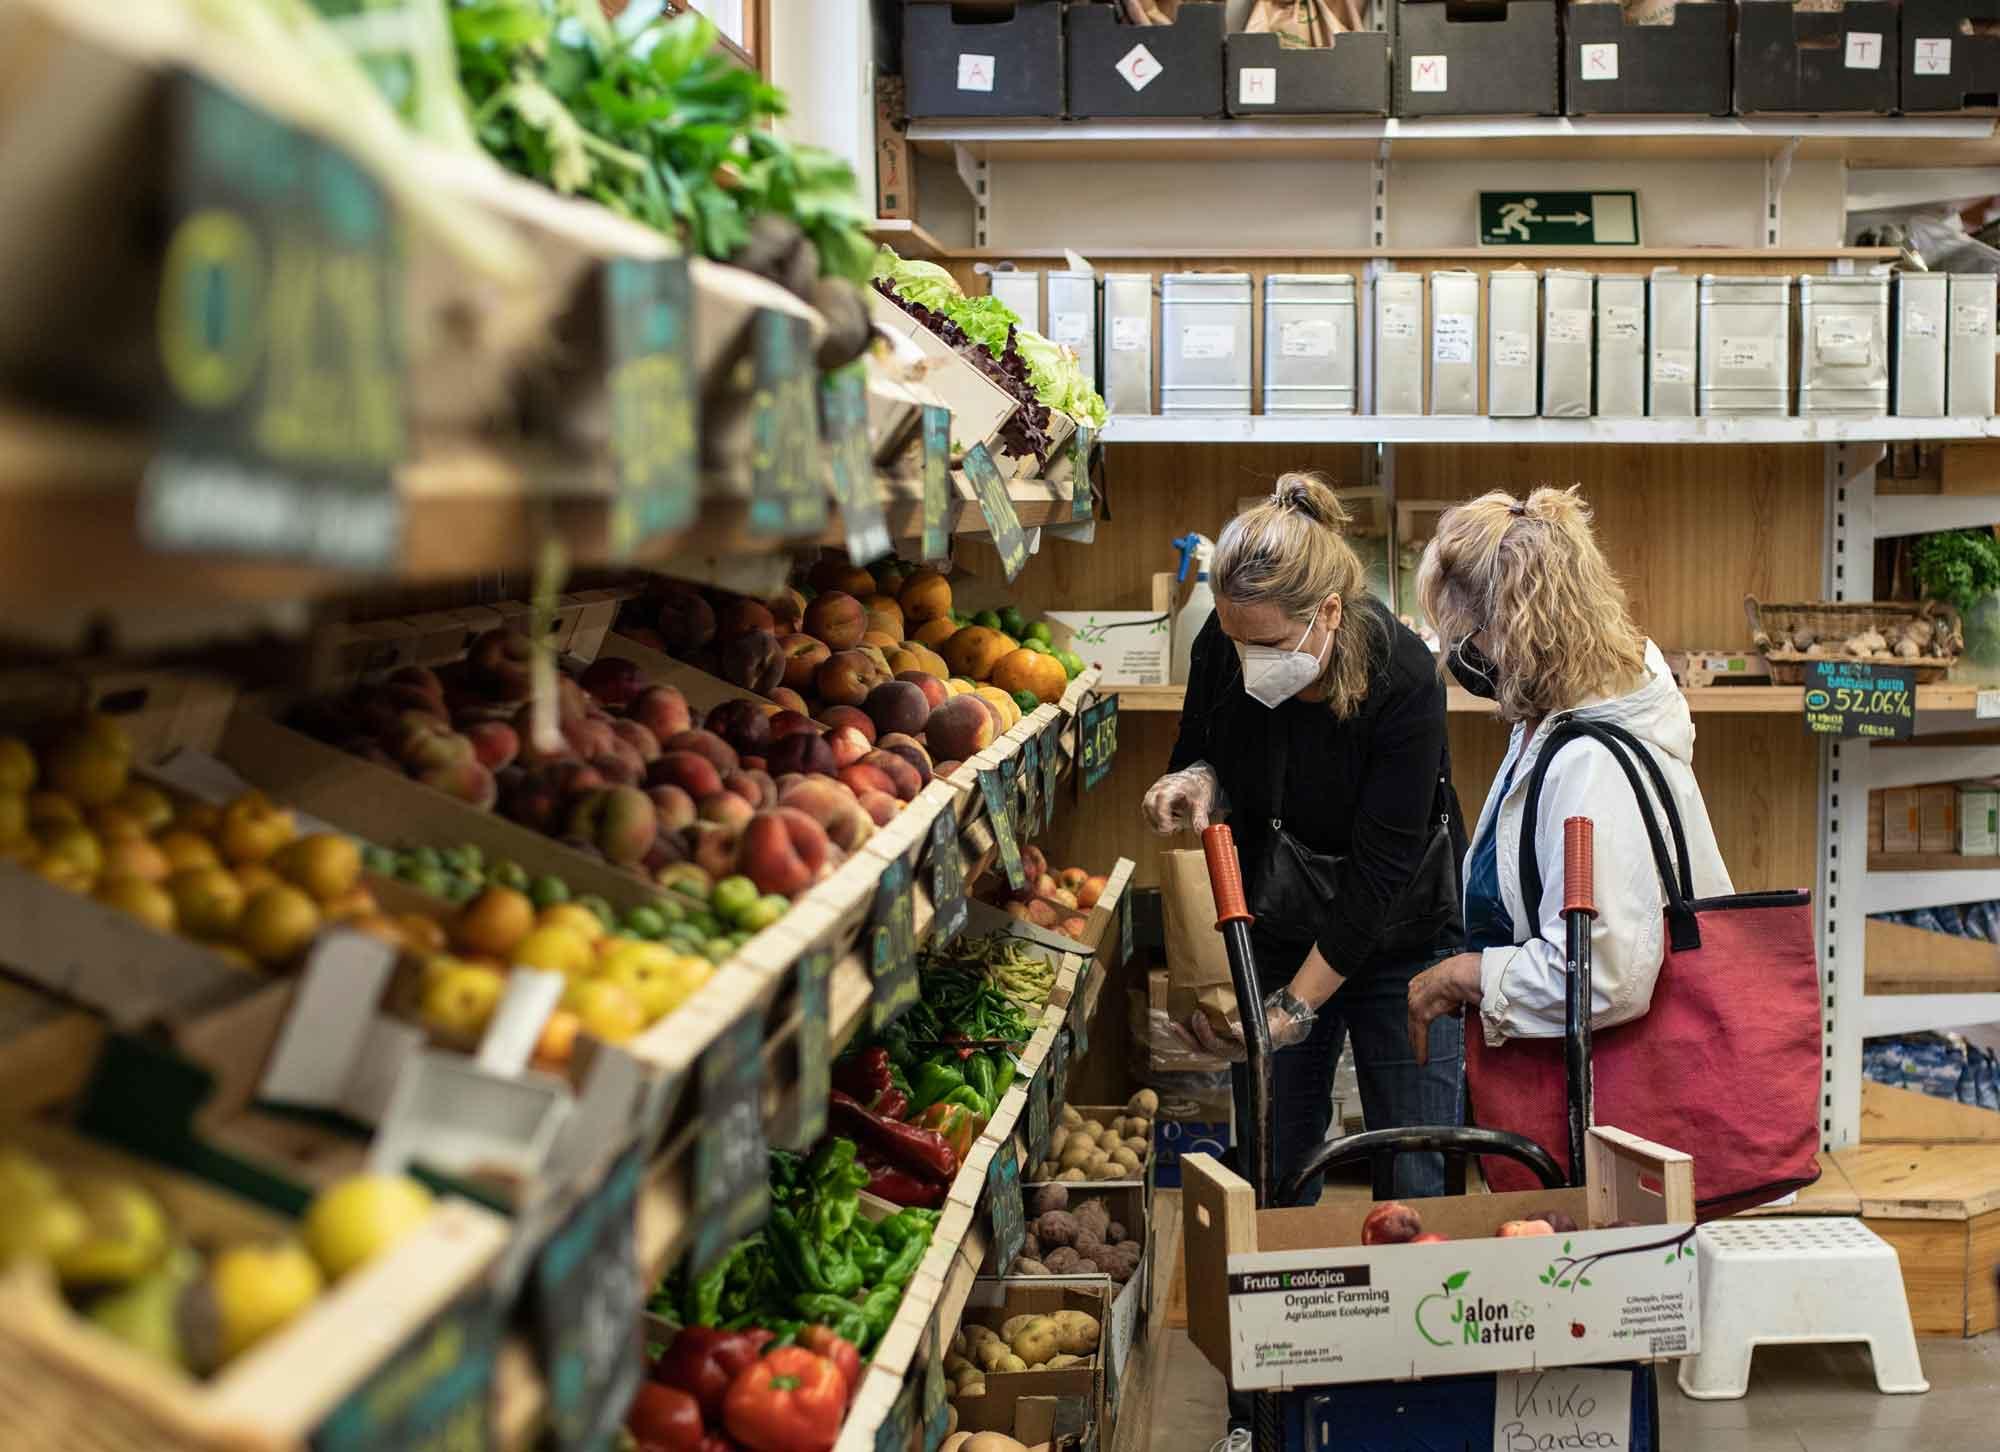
[[1283, 1298], [1348, 78], [1794, 57], [1478, 60], [1900, 823], [1127, 1205], [990, 1303], [1978, 819], [895, 167], [1675, 63], [1129, 647], [1951, 55], [1116, 69], [978, 405], [996, 61], [1937, 819], [1099, 1115]]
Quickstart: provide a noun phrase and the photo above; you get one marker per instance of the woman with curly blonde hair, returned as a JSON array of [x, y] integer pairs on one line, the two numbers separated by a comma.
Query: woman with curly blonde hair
[[1534, 619]]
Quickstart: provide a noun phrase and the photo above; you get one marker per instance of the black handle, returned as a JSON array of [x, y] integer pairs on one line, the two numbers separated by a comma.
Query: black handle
[[1381, 1146]]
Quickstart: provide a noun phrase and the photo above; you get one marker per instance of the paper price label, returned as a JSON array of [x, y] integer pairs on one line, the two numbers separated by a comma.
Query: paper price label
[[1452, 337], [1130, 333], [1513, 348], [975, 72], [998, 508], [1125, 901], [1864, 50], [1673, 365], [1569, 325], [648, 305], [1305, 338], [843, 407], [1257, 86], [1399, 320], [1208, 340], [434, 1395], [1041, 1105], [1624, 322], [892, 947], [1969, 321], [1918, 324], [587, 1295], [938, 499], [996, 785], [1932, 57], [1069, 328], [1004, 1211], [732, 1162], [786, 496], [947, 869], [813, 974]]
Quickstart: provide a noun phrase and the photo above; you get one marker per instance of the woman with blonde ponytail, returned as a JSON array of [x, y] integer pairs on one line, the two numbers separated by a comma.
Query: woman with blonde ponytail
[[1316, 721]]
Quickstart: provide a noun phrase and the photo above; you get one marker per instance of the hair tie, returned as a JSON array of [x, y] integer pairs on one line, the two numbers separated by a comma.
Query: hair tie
[[1517, 509]]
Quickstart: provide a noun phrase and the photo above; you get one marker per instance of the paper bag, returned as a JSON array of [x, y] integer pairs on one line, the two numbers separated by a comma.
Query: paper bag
[[1196, 959]]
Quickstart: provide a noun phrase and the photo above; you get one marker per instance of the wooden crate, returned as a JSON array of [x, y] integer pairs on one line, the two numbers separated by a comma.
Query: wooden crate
[[1939, 1205]]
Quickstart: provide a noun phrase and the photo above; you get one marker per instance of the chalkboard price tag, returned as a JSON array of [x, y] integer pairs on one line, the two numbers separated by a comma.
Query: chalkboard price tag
[[1004, 1211], [1039, 1108], [940, 503], [998, 507], [1125, 924], [1051, 774], [1029, 774], [1876, 702], [843, 410], [936, 1402], [435, 1394], [732, 1190], [648, 304], [786, 495], [1082, 444], [587, 1298], [1058, 1066], [280, 338], [892, 945], [1098, 739], [947, 864], [899, 1423], [813, 972], [998, 790]]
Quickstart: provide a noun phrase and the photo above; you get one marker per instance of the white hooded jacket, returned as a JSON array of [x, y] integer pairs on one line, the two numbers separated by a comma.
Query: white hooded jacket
[[1521, 987]]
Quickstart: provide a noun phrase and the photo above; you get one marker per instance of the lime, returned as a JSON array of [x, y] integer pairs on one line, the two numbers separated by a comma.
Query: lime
[[548, 890], [1040, 631], [988, 618]]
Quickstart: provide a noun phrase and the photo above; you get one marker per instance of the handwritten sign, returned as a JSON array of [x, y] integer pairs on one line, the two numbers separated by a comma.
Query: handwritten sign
[[997, 787], [435, 1394], [1578, 1408], [892, 946], [937, 1391], [1082, 444], [732, 1190], [1098, 740], [1051, 773], [648, 304], [1058, 1066], [280, 337], [998, 508], [843, 411], [587, 1295], [1029, 774], [1041, 1104], [786, 497], [940, 504], [947, 864], [813, 971], [1844, 699], [1004, 1211]]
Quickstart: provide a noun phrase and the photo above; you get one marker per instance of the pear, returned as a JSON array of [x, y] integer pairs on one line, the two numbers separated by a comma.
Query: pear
[[145, 1314], [37, 1220], [125, 1237], [354, 1220], [249, 1292]]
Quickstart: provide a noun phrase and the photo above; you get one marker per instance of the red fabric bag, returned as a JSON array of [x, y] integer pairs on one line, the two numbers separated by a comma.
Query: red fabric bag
[[1725, 1065]]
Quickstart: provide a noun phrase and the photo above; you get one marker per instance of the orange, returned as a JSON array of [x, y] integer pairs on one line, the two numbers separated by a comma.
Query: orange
[[208, 901], [145, 900], [493, 922], [277, 924], [325, 864], [186, 850]]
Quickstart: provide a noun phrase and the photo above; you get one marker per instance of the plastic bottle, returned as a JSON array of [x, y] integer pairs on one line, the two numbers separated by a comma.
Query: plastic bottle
[[1196, 550]]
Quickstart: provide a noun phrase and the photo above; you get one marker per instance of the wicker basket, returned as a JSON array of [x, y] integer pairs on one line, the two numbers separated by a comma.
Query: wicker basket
[[1823, 626]]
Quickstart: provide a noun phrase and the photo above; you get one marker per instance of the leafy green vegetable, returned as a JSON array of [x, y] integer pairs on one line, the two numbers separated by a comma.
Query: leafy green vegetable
[[1960, 566]]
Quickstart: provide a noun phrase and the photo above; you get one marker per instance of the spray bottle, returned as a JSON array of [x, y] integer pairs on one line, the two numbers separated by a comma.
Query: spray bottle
[[1198, 550]]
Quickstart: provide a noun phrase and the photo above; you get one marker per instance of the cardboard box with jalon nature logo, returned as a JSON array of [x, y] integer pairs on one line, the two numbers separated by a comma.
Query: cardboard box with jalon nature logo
[[1284, 1298]]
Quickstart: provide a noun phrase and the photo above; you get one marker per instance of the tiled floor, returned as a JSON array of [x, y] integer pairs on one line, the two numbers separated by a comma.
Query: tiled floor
[[1801, 1399]]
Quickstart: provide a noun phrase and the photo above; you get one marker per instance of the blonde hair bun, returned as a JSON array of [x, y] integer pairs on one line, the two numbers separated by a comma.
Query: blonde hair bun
[[1310, 495]]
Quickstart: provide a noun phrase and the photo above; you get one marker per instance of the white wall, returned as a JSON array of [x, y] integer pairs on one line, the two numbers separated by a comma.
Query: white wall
[[822, 56]]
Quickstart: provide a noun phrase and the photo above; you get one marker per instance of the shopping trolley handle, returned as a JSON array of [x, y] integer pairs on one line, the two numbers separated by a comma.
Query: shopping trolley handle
[[1380, 1147]]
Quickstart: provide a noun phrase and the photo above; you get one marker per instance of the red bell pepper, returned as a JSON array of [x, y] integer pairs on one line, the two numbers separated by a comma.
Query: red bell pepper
[[902, 1188], [891, 1104], [665, 1417], [703, 1361], [920, 1151], [825, 1341], [959, 1126], [864, 1075], [791, 1401]]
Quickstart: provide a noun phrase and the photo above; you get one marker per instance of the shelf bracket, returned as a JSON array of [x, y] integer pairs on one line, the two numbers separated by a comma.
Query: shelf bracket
[[1777, 171], [1378, 194], [972, 172]]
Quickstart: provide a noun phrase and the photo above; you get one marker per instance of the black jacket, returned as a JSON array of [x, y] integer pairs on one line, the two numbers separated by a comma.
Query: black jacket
[[1365, 790]]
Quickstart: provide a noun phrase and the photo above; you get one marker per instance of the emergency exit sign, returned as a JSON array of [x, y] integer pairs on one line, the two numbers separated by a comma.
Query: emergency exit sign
[[1558, 219]]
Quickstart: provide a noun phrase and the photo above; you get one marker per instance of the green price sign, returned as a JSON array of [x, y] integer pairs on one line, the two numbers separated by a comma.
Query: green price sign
[[1004, 1211], [892, 946], [997, 787], [1082, 445], [940, 504], [280, 335], [732, 1192], [1097, 738], [587, 1295], [648, 304], [947, 864], [813, 972], [1051, 773], [786, 494], [1029, 773], [937, 1390], [998, 508], [1859, 700], [1040, 1107], [843, 411]]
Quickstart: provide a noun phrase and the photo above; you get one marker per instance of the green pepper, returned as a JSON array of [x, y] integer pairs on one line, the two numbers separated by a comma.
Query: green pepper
[[842, 1315], [906, 1225], [704, 1293], [983, 1076], [810, 1264], [904, 1263], [934, 1081], [870, 1255], [878, 1311], [969, 1098]]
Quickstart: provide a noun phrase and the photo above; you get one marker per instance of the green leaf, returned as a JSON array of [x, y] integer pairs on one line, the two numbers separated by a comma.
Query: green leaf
[[1672, 1256], [1453, 1281], [1546, 1277], [1584, 1281], [1565, 1247]]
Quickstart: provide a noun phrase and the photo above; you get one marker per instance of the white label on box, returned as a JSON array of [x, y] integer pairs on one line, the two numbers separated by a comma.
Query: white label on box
[[1068, 327], [1969, 320], [1986, 705], [1427, 72], [1257, 86], [1140, 67], [1918, 324], [1129, 333], [1562, 1407], [1306, 338], [1208, 340], [1673, 365], [1569, 325], [1599, 62], [1932, 58], [975, 72], [1842, 339], [1744, 353], [1513, 348], [1623, 322], [1864, 50], [1451, 337], [1399, 320]]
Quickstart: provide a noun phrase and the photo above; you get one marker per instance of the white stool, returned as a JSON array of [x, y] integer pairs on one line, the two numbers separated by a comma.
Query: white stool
[[1778, 1281]]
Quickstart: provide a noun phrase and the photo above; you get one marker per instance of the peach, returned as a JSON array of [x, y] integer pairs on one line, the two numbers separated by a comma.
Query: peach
[[832, 805], [960, 729], [802, 752], [1042, 913], [612, 681], [754, 661], [1001, 702], [571, 702], [1559, 1221], [499, 664], [740, 617], [1430, 1237], [642, 743], [573, 778], [848, 676], [673, 806], [898, 706], [495, 744], [835, 717], [1039, 674], [1091, 891], [932, 634], [662, 710], [803, 656], [835, 573], [533, 799], [788, 608], [792, 723], [885, 616], [753, 784], [704, 743], [866, 777], [905, 777], [847, 745], [470, 782], [620, 766], [425, 742], [692, 772], [976, 650], [687, 622], [1071, 878], [1515, 1228], [945, 768], [1074, 926], [912, 752], [784, 851], [1391, 1223], [935, 694], [787, 698], [589, 738], [1034, 863], [743, 724], [621, 822], [418, 678], [925, 596], [880, 807], [725, 809], [838, 619], [716, 849]]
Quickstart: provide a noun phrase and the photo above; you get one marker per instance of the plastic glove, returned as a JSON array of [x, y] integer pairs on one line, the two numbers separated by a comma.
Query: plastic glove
[[1183, 800], [1285, 1014]]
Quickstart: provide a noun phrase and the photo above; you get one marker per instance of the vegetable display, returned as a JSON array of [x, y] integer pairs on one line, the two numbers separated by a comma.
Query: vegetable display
[[1027, 1342], [1101, 1149], [1076, 1238]]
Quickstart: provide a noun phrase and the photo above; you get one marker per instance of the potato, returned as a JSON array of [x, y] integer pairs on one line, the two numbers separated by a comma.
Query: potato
[[965, 1376], [1138, 1144], [1048, 1170], [1027, 1265], [1072, 1174], [1011, 1327], [1145, 1102], [971, 1389], [954, 1363], [1057, 1363], [1076, 1330], [1011, 1362], [1076, 1154], [978, 1332], [955, 1442], [1037, 1341], [1058, 1137], [1070, 1117], [1125, 1160], [1106, 1169], [989, 1354], [958, 1342], [1144, 1130]]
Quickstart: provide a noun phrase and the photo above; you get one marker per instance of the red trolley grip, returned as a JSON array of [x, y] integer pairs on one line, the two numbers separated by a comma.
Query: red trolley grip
[[1579, 867], [1225, 875]]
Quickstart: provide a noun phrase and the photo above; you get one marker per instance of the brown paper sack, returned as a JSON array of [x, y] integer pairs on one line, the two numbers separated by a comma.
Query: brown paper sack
[[1197, 963]]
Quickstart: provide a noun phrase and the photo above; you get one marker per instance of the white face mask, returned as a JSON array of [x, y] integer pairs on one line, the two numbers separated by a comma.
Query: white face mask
[[1272, 676]]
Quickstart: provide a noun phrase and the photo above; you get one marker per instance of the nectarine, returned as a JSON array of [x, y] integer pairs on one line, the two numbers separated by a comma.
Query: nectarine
[[838, 619]]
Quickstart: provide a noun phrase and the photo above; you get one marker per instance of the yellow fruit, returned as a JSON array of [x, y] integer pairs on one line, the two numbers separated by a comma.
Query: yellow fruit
[[423, 934], [354, 1220], [325, 864], [64, 873], [207, 900], [112, 823], [356, 902], [577, 918], [125, 1235], [146, 900], [136, 857], [254, 1290], [37, 1220], [1010, 714], [959, 685], [376, 925], [86, 771], [13, 815], [186, 850], [51, 811], [651, 972], [78, 846], [148, 804], [277, 924], [554, 950], [204, 818], [253, 829], [557, 1041], [105, 734], [17, 765], [607, 1010], [461, 1000], [254, 877], [493, 922], [145, 1315]]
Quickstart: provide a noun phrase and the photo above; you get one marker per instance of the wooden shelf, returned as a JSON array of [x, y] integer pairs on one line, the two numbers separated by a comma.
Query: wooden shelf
[[908, 238], [1718, 700], [1879, 861], [1376, 429], [1903, 959]]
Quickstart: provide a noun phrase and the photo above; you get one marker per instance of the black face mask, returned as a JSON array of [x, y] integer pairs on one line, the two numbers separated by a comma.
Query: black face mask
[[1474, 669]]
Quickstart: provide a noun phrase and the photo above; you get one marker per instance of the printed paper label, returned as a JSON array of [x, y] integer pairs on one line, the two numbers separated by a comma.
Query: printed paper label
[[1257, 86], [1932, 58], [1513, 348], [1427, 72], [1968, 320], [1306, 338], [1399, 320], [1919, 324], [1208, 340], [1069, 327], [1569, 325], [1842, 338], [1673, 365], [1744, 353], [975, 72], [1451, 337], [1864, 50], [1140, 67], [1599, 62], [1624, 322], [1129, 334]]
